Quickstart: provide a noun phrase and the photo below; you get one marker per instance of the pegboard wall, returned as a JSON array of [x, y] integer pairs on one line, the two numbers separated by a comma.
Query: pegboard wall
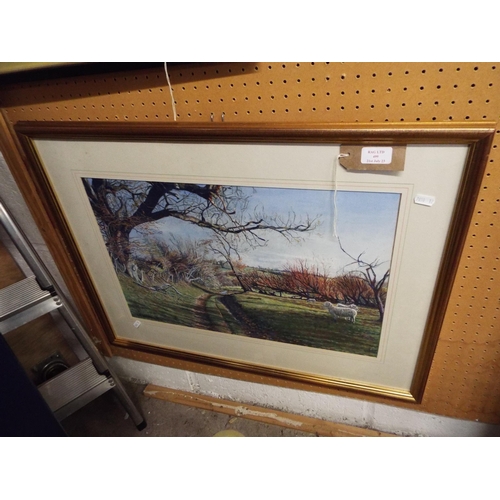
[[464, 381]]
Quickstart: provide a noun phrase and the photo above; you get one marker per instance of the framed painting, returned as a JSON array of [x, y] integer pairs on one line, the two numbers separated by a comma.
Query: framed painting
[[251, 247]]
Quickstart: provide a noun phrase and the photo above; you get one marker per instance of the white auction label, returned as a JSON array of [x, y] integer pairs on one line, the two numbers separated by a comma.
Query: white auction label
[[425, 199], [376, 155]]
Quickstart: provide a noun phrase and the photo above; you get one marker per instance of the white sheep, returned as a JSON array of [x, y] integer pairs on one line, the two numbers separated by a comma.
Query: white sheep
[[341, 312], [350, 306]]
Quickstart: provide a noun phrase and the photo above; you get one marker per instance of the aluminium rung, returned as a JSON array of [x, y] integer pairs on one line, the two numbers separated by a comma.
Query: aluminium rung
[[23, 302], [74, 388], [19, 296]]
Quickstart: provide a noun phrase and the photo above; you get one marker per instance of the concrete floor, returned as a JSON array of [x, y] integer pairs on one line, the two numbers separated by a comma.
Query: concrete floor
[[106, 417]]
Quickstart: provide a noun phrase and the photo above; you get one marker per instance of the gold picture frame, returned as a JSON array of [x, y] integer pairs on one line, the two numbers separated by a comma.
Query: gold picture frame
[[443, 162]]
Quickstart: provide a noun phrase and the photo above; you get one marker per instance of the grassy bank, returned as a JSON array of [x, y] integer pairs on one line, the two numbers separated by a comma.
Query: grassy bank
[[279, 319], [304, 323]]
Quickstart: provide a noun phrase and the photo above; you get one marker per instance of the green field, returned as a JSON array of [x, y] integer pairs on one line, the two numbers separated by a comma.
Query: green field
[[278, 319]]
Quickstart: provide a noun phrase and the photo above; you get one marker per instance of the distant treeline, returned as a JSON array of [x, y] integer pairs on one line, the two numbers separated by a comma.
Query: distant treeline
[[183, 261], [306, 282]]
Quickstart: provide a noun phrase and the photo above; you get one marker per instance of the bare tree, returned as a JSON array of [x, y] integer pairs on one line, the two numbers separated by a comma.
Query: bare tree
[[367, 272], [121, 206], [226, 246]]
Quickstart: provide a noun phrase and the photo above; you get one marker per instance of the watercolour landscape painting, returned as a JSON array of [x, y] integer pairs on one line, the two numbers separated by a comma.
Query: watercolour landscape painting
[[308, 267]]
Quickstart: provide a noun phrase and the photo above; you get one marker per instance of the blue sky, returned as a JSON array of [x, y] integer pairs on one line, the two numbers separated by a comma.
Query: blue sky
[[366, 222]]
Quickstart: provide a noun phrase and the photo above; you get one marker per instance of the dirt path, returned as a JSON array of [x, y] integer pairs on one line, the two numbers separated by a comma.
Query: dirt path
[[201, 318], [249, 326]]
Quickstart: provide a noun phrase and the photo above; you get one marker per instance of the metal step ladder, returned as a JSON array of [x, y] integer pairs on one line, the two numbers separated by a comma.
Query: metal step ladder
[[36, 295]]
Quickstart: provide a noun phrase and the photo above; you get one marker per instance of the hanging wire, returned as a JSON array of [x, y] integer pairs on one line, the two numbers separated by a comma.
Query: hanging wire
[[335, 210], [171, 93]]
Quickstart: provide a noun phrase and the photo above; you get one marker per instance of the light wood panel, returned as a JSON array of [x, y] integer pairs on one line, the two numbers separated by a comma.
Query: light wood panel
[[316, 426]]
